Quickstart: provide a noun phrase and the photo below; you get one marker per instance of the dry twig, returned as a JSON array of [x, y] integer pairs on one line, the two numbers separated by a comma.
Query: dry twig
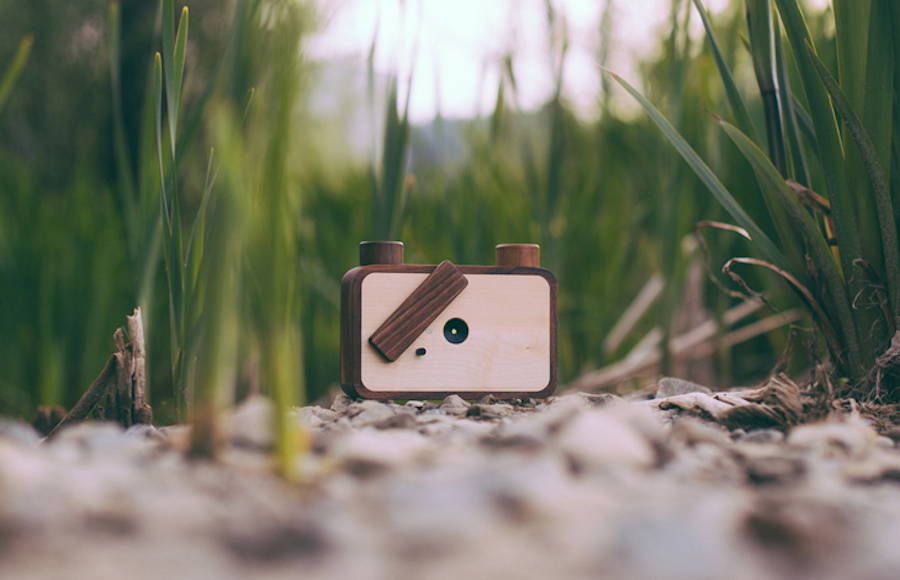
[[122, 379]]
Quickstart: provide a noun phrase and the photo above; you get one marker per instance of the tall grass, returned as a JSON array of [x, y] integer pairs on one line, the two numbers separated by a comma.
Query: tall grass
[[11, 75], [274, 203], [236, 256], [852, 290], [242, 246]]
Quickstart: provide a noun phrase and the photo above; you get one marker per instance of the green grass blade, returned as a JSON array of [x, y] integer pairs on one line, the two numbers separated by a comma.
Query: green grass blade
[[196, 242], [157, 102], [866, 77], [248, 100], [123, 164], [192, 124], [851, 20], [393, 166], [874, 169], [757, 16], [788, 113], [180, 50], [179, 258], [768, 249], [174, 47], [738, 107], [828, 141], [804, 122], [877, 116], [168, 56], [217, 348], [762, 51], [150, 265], [166, 219], [895, 149], [815, 245], [15, 68]]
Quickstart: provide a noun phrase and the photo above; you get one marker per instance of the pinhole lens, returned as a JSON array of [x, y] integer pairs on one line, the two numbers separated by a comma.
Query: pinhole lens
[[456, 330]]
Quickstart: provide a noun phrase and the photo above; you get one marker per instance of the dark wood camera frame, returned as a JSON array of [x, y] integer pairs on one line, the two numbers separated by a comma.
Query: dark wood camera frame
[[352, 341]]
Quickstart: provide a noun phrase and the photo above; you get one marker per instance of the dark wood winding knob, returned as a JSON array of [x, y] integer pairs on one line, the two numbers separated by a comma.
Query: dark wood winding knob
[[527, 255], [380, 253]]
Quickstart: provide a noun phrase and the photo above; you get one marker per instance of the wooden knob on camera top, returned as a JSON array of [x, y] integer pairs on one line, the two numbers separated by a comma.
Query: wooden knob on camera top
[[380, 253], [527, 255]]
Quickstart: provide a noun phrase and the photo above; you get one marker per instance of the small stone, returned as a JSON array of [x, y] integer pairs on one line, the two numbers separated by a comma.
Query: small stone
[[454, 405], [177, 436], [693, 432], [19, 432], [638, 395], [848, 438], [671, 387], [705, 462], [884, 442], [600, 399], [341, 403], [893, 434], [330, 435], [397, 421], [495, 411], [369, 413], [141, 431], [597, 439], [762, 436], [275, 542], [668, 547], [478, 411], [774, 469], [561, 411], [315, 417], [324, 415], [524, 436], [877, 468], [90, 437], [371, 451], [251, 423]]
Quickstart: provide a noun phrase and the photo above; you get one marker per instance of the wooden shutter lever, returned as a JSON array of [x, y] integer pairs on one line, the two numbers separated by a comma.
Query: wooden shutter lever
[[420, 309]]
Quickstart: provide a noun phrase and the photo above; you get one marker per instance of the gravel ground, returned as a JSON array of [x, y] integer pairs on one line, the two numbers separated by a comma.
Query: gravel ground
[[578, 486]]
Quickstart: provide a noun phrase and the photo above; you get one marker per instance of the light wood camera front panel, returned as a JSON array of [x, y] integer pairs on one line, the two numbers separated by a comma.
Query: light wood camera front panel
[[507, 350]]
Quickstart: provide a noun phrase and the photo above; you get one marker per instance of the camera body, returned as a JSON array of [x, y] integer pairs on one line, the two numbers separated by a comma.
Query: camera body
[[425, 332]]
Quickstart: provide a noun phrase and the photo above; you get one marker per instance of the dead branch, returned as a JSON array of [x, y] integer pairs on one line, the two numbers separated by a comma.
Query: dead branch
[[697, 343], [122, 380], [633, 314], [87, 401]]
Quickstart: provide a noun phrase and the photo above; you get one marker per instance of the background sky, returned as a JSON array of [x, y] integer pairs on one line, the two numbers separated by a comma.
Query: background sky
[[456, 47]]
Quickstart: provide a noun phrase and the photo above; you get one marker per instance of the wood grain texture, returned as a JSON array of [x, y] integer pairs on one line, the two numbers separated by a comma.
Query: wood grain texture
[[355, 349], [380, 253], [418, 310], [527, 255]]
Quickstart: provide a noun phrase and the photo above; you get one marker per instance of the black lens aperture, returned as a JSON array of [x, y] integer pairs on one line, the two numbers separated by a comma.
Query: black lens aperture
[[456, 330]]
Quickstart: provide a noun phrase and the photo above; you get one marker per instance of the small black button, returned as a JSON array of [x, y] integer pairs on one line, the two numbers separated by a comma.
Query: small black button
[[420, 351]]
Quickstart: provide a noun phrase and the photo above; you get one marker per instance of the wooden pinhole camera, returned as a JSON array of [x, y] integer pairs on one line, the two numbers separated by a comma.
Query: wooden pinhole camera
[[425, 332]]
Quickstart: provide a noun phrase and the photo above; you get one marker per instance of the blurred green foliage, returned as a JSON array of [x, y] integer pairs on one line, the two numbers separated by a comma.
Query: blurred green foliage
[[838, 251], [80, 242]]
